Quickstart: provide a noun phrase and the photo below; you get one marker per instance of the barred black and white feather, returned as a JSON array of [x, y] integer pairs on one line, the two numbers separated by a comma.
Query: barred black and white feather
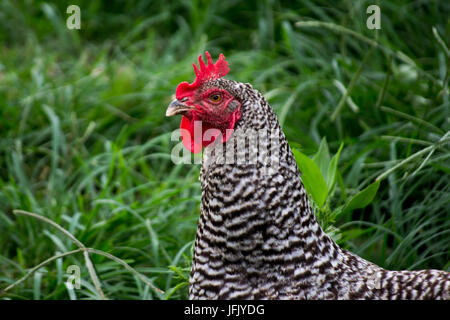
[[258, 238]]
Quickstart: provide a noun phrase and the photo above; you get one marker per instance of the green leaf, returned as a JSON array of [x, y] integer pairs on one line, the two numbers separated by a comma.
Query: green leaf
[[340, 181], [322, 158], [332, 169], [363, 198], [312, 178], [179, 272]]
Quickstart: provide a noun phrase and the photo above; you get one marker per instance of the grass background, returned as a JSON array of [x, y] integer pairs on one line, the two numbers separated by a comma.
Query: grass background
[[85, 143]]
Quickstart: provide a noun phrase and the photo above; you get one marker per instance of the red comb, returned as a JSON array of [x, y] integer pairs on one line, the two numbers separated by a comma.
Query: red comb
[[210, 71]]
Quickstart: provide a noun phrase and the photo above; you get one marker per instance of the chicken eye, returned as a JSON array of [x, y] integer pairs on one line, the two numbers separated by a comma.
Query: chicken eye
[[215, 97]]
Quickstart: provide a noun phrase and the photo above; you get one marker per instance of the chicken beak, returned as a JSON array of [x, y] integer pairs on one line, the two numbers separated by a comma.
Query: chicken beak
[[176, 107]]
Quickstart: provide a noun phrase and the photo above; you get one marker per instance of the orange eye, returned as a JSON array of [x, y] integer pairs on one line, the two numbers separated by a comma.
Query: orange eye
[[215, 97]]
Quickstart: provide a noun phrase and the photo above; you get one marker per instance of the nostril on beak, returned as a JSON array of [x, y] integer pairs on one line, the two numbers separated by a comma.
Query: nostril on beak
[[177, 107]]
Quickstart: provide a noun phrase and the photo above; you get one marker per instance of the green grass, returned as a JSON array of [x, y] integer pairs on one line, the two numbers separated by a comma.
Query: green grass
[[84, 141]]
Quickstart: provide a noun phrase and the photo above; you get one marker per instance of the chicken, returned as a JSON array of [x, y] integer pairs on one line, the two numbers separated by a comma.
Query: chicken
[[257, 236]]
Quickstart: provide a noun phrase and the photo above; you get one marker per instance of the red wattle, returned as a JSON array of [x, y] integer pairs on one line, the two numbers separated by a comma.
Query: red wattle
[[193, 132], [187, 135]]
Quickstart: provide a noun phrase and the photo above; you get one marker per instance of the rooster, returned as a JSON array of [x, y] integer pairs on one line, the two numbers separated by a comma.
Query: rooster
[[257, 236]]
